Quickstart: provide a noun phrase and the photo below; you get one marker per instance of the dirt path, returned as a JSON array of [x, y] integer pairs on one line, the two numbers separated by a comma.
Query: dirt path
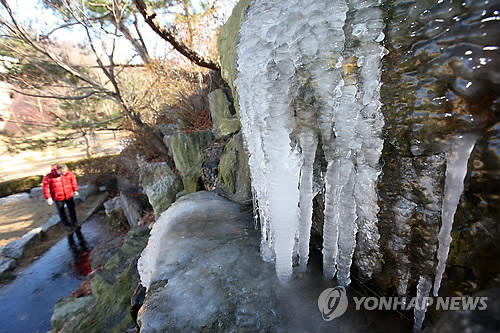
[[31, 163], [20, 217]]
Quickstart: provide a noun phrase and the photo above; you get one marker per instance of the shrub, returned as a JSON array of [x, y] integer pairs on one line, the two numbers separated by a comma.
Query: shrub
[[19, 185]]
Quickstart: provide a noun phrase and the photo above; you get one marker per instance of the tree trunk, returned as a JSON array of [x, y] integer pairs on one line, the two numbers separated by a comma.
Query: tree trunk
[[139, 47]]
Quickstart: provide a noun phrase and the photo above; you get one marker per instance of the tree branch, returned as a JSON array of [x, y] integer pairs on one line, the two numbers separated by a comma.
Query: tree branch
[[74, 98], [163, 32]]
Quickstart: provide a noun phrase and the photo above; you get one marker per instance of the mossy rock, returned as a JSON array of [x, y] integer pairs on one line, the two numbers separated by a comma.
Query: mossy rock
[[226, 44], [224, 122], [111, 312], [187, 152], [234, 173], [135, 241], [19, 185], [160, 184], [68, 307]]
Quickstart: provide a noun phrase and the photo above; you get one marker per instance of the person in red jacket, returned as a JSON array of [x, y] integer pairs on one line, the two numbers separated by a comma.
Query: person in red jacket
[[60, 186]]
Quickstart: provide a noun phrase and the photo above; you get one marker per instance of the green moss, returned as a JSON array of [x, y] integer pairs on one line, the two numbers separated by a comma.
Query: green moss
[[224, 122], [226, 44], [19, 185], [234, 173], [111, 311], [190, 182], [113, 262], [136, 241]]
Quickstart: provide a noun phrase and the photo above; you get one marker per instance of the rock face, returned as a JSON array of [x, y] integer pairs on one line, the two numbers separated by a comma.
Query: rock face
[[86, 191], [66, 308], [224, 123], [214, 280], [234, 174], [427, 109], [439, 88], [187, 152], [160, 185], [226, 43], [211, 161]]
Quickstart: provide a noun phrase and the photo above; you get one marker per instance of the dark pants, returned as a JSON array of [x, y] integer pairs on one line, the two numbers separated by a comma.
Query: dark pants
[[70, 203]]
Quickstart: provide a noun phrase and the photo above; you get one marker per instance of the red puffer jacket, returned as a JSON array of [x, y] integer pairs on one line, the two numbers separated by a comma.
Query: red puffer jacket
[[59, 187]]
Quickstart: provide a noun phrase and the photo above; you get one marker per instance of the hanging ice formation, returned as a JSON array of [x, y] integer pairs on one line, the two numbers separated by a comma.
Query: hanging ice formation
[[456, 170], [309, 74], [423, 290]]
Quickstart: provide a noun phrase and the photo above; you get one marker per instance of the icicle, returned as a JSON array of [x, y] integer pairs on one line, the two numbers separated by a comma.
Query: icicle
[[308, 142], [285, 58], [423, 290], [331, 227], [456, 170]]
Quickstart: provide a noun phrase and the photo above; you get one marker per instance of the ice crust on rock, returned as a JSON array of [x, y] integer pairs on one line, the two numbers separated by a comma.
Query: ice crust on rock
[[299, 85]]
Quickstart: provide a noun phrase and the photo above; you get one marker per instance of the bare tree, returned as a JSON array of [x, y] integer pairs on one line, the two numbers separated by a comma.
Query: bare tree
[[48, 73]]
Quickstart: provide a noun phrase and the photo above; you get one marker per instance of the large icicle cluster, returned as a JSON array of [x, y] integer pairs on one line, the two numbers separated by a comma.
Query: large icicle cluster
[[309, 74]]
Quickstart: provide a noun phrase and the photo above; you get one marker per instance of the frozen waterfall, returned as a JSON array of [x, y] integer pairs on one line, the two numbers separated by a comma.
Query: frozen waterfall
[[309, 75]]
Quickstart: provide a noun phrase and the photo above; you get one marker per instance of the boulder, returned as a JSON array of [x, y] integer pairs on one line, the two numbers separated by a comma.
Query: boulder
[[86, 191], [36, 193], [187, 152], [216, 278], [234, 173], [68, 307], [132, 208], [160, 184], [18, 197], [113, 206], [7, 264], [52, 223], [224, 123], [16, 248]]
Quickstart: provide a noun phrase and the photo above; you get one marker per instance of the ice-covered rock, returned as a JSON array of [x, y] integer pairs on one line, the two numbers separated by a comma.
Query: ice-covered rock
[[203, 272], [207, 250], [315, 109]]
